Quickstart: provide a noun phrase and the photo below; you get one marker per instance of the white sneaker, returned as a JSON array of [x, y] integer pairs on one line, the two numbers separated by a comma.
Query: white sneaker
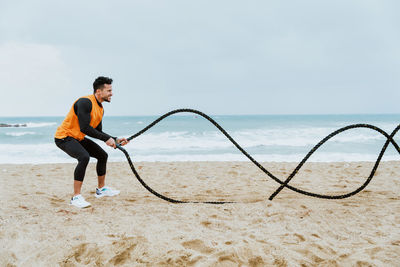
[[106, 192], [79, 201]]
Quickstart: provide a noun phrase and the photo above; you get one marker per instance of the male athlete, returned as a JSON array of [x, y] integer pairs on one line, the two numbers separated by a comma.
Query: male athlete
[[84, 118]]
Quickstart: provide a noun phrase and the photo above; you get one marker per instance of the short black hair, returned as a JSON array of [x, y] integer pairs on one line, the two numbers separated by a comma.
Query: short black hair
[[100, 82]]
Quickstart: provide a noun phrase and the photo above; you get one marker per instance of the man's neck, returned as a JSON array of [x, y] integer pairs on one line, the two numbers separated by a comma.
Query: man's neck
[[99, 101]]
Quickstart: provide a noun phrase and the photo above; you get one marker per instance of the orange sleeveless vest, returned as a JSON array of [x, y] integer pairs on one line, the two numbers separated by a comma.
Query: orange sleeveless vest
[[70, 125]]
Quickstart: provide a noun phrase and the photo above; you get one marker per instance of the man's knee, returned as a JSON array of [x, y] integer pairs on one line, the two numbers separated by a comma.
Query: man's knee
[[102, 156], [84, 159]]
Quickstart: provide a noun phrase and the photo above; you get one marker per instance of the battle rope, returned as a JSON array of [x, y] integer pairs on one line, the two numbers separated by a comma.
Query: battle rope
[[283, 184]]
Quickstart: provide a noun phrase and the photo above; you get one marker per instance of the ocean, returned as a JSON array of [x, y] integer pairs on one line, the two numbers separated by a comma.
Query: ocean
[[189, 137]]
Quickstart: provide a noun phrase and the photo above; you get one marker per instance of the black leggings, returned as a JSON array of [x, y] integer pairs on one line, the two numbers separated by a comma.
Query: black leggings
[[82, 151]]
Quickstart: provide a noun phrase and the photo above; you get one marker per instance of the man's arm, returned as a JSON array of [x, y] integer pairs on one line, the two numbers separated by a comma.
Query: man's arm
[[82, 109], [100, 129]]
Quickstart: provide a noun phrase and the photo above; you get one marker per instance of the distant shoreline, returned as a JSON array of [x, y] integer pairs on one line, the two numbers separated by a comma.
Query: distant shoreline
[[13, 125]]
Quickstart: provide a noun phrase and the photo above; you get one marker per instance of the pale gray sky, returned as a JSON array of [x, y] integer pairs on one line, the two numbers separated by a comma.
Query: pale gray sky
[[222, 57]]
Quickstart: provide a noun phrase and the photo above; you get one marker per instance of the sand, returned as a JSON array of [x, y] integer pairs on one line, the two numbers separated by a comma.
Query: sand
[[38, 227]]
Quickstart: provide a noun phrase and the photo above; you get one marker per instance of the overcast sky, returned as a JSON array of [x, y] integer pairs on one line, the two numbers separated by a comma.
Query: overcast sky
[[222, 57]]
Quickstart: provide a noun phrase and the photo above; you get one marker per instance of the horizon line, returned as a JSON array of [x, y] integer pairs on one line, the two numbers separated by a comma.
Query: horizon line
[[255, 114]]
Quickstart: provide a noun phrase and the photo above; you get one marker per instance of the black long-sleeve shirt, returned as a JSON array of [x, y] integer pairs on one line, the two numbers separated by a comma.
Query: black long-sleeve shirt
[[83, 108]]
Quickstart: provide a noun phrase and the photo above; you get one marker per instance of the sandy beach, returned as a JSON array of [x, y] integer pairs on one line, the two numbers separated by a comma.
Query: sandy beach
[[38, 227]]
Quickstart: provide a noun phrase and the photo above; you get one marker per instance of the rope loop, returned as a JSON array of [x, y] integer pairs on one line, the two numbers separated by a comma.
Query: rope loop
[[283, 184]]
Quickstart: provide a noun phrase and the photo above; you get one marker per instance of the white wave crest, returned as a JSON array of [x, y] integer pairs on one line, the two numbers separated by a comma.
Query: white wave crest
[[17, 134], [39, 124], [178, 141]]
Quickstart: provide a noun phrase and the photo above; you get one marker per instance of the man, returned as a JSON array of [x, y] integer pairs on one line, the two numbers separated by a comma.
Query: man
[[85, 118]]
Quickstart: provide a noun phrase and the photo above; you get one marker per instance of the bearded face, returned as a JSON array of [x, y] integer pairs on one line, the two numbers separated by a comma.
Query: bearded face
[[106, 93]]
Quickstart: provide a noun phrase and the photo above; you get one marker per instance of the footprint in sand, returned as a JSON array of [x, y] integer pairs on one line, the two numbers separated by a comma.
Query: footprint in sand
[[84, 253], [123, 256], [396, 243], [300, 237], [56, 201], [233, 173], [197, 245], [206, 223], [93, 255], [233, 259]]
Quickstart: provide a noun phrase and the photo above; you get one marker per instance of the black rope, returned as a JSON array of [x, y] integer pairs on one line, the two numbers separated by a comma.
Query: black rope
[[283, 184]]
